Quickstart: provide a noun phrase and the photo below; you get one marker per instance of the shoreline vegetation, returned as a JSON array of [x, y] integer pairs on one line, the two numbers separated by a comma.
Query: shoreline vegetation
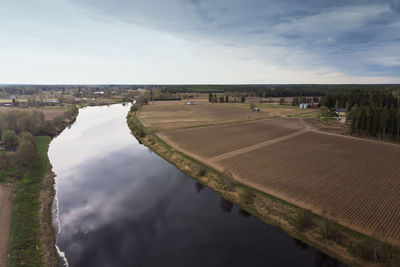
[[32, 235], [333, 239]]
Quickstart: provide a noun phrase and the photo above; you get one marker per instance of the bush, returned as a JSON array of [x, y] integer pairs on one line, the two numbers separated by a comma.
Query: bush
[[303, 219], [200, 170], [26, 153], [227, 180], [375, 251], [140, 132], [9, 138], [247, 197], [329, 230]]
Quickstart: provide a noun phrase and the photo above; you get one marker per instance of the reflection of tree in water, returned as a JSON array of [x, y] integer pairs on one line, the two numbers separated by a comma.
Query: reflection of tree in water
[[244, 213], [226, 206], [323, 260], [300, 244], [198, 186]]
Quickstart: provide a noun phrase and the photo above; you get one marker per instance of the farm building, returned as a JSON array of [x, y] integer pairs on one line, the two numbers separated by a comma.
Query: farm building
[[310, 105], [341, 111]]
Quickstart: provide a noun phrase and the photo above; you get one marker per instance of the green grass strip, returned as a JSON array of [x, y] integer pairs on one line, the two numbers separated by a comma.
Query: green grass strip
[[25, 247]]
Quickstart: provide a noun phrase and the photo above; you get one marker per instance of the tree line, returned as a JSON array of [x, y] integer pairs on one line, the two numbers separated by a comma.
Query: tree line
[[33, 122], [382, 98], [275, 90], [378, 121], [213, 98]]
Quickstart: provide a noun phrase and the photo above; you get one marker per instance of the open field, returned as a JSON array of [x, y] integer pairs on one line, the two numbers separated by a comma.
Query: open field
[[48, 112], [276, 110], [352, 181], [171, 115], [5, 221], [211, 141], [167, 115]]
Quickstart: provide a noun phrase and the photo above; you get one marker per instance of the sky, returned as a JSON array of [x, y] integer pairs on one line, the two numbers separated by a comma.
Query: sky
[[199, 41]]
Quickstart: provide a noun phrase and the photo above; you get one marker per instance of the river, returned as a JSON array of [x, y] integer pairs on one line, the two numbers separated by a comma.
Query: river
[[120, 204]]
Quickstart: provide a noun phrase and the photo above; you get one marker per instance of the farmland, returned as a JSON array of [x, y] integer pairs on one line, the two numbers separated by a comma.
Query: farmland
[[169, 115], [351, 181]]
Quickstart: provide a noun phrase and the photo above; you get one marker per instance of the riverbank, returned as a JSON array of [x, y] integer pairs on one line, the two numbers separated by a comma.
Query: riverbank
[[32, 236], [333, 239], [5, 221], [27, 242]]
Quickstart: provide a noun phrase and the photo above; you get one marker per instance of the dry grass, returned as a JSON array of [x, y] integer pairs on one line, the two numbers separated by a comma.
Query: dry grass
[[276, 110], [169, 115], [172, 115]]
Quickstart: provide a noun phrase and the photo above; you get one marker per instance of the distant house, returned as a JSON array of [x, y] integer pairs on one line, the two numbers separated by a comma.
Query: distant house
[[341, 111], [51, 102]]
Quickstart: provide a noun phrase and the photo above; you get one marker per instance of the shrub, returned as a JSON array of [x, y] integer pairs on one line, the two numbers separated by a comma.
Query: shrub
[[200, 170], [9, 138], [26, 153], [329, 230], [140, 132], [303, 219], [227, 180], [247, 197]]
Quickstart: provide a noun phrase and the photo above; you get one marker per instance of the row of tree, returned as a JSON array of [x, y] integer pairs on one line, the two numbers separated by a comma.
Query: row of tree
[[374, 120], [213, 98], [34, 122]]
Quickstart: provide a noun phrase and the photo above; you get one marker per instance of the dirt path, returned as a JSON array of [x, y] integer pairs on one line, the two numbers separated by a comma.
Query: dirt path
[[259, 145], [5, 221]]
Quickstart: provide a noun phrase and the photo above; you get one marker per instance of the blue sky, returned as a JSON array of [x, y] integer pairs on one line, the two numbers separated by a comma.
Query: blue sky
[[199, 41]]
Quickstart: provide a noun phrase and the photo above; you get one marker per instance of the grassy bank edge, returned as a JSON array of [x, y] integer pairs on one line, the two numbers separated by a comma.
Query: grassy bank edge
[[25, 241], [32, 236], [343, 252]]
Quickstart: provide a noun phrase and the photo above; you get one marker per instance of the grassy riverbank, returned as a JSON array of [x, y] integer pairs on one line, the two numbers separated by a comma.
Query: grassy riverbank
[[32, 237], [339, 242], [25, 245]]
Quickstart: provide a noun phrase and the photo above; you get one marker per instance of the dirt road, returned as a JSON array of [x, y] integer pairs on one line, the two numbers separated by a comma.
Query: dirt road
[[5, 221]]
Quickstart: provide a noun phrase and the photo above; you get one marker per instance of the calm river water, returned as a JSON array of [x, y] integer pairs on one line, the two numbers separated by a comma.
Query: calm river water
[[120, 204]]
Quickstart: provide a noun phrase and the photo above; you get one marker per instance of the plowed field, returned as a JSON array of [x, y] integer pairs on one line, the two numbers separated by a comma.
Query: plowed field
[[356, 182], [353, 181], [211, 141]]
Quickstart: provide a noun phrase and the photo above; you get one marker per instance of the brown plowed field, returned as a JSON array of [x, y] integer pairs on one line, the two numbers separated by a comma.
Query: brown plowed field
[[211, 141], [353, 181], [356, 182]]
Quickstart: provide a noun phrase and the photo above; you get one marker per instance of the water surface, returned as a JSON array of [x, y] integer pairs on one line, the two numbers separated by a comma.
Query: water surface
[[120, 204]]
